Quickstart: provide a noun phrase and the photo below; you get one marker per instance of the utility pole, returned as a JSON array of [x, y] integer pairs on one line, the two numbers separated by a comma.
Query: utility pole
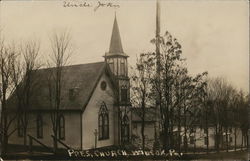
[[157, 51]]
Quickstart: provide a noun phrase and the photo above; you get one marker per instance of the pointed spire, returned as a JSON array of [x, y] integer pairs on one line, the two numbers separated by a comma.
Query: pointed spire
[[115, 47]]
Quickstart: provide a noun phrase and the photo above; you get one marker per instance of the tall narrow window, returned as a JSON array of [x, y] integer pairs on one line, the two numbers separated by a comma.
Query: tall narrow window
[[125, 129], [103, 122], [61, 128], [106, 126], [39, 126], [71, 94], [111, 65], [20, 129], [100, 128], [122, 68], [124, 94]]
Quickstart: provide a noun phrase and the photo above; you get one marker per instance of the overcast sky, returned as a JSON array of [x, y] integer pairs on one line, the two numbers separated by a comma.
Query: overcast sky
[[214, 34]]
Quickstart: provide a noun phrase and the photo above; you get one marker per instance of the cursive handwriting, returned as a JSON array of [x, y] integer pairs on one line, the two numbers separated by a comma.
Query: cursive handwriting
[[85, 4], [109, 4], [76, 4]]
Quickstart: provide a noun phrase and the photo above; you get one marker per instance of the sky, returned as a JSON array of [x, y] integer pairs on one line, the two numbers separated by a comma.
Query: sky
[[214, 34]]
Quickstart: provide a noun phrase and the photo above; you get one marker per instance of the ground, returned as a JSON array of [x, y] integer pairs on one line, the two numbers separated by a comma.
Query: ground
[[17, 152], [239, 155], [236, 156]]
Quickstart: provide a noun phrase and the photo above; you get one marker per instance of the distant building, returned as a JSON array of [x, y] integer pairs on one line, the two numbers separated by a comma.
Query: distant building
[[196, 137], [94, 104]]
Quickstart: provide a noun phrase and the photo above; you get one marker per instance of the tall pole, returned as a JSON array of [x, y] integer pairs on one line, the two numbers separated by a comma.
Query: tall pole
[[157, 36], [157, 51]]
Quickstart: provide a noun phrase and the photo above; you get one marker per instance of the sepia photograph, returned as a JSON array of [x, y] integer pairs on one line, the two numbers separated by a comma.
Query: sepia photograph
[[124, 80]]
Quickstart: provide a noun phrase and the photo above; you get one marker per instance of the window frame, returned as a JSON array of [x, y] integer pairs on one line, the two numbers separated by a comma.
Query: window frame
[[20, 128], [111, 65], [122, 68], [125, 128], [39, 126], [103, 122], [71, 94], [61, 128], [124, 93]]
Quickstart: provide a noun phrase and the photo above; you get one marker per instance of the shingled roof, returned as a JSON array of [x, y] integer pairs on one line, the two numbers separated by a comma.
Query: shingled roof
[[81, 78]]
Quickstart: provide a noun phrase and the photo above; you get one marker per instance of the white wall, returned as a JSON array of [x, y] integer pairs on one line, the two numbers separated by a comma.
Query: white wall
[[90, 116], [72, 130]]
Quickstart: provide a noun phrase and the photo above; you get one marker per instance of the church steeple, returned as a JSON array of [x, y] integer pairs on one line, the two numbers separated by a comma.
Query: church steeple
[[115, 57], [115, 47], [117, 62]]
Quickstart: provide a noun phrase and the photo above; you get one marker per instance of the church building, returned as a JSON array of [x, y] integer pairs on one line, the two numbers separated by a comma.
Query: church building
[[94, 106]]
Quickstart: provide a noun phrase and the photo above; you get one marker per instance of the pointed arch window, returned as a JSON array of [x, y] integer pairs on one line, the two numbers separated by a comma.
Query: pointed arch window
[[61, 127], [20, 128], [103, 122], [39, 126], [124, 94], [125, 129]]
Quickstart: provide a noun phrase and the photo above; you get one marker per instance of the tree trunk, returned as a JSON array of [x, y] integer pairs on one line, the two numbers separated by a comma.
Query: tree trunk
[[227, 143], [207, 140], [179, 130], [142, 130], [206, 117], [220, 138], [143, 137], [194, 140], [242, 139], [216, 139], [55, 145], [247, 141], [194, 144], [235, 138], [185, 131], [165, 137], [5, 134], [25, 136]]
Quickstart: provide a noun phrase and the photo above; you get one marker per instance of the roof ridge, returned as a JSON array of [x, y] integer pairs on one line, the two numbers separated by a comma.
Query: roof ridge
[[74, 65]]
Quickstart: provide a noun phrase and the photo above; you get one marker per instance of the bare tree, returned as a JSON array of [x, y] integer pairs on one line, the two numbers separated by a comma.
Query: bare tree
[[142, 96], [244, 118], [61, 50], [220, 97], [7, 54], [24, 79]]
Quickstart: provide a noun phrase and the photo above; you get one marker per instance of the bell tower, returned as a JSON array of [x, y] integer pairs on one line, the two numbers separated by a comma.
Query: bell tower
[[116, 59]]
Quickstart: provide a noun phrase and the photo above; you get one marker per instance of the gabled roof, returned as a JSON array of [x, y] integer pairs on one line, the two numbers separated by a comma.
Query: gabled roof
[[82, 78], [115, 47]]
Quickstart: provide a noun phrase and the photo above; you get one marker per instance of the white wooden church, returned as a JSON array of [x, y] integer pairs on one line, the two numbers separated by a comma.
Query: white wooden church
[[94, 106]]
